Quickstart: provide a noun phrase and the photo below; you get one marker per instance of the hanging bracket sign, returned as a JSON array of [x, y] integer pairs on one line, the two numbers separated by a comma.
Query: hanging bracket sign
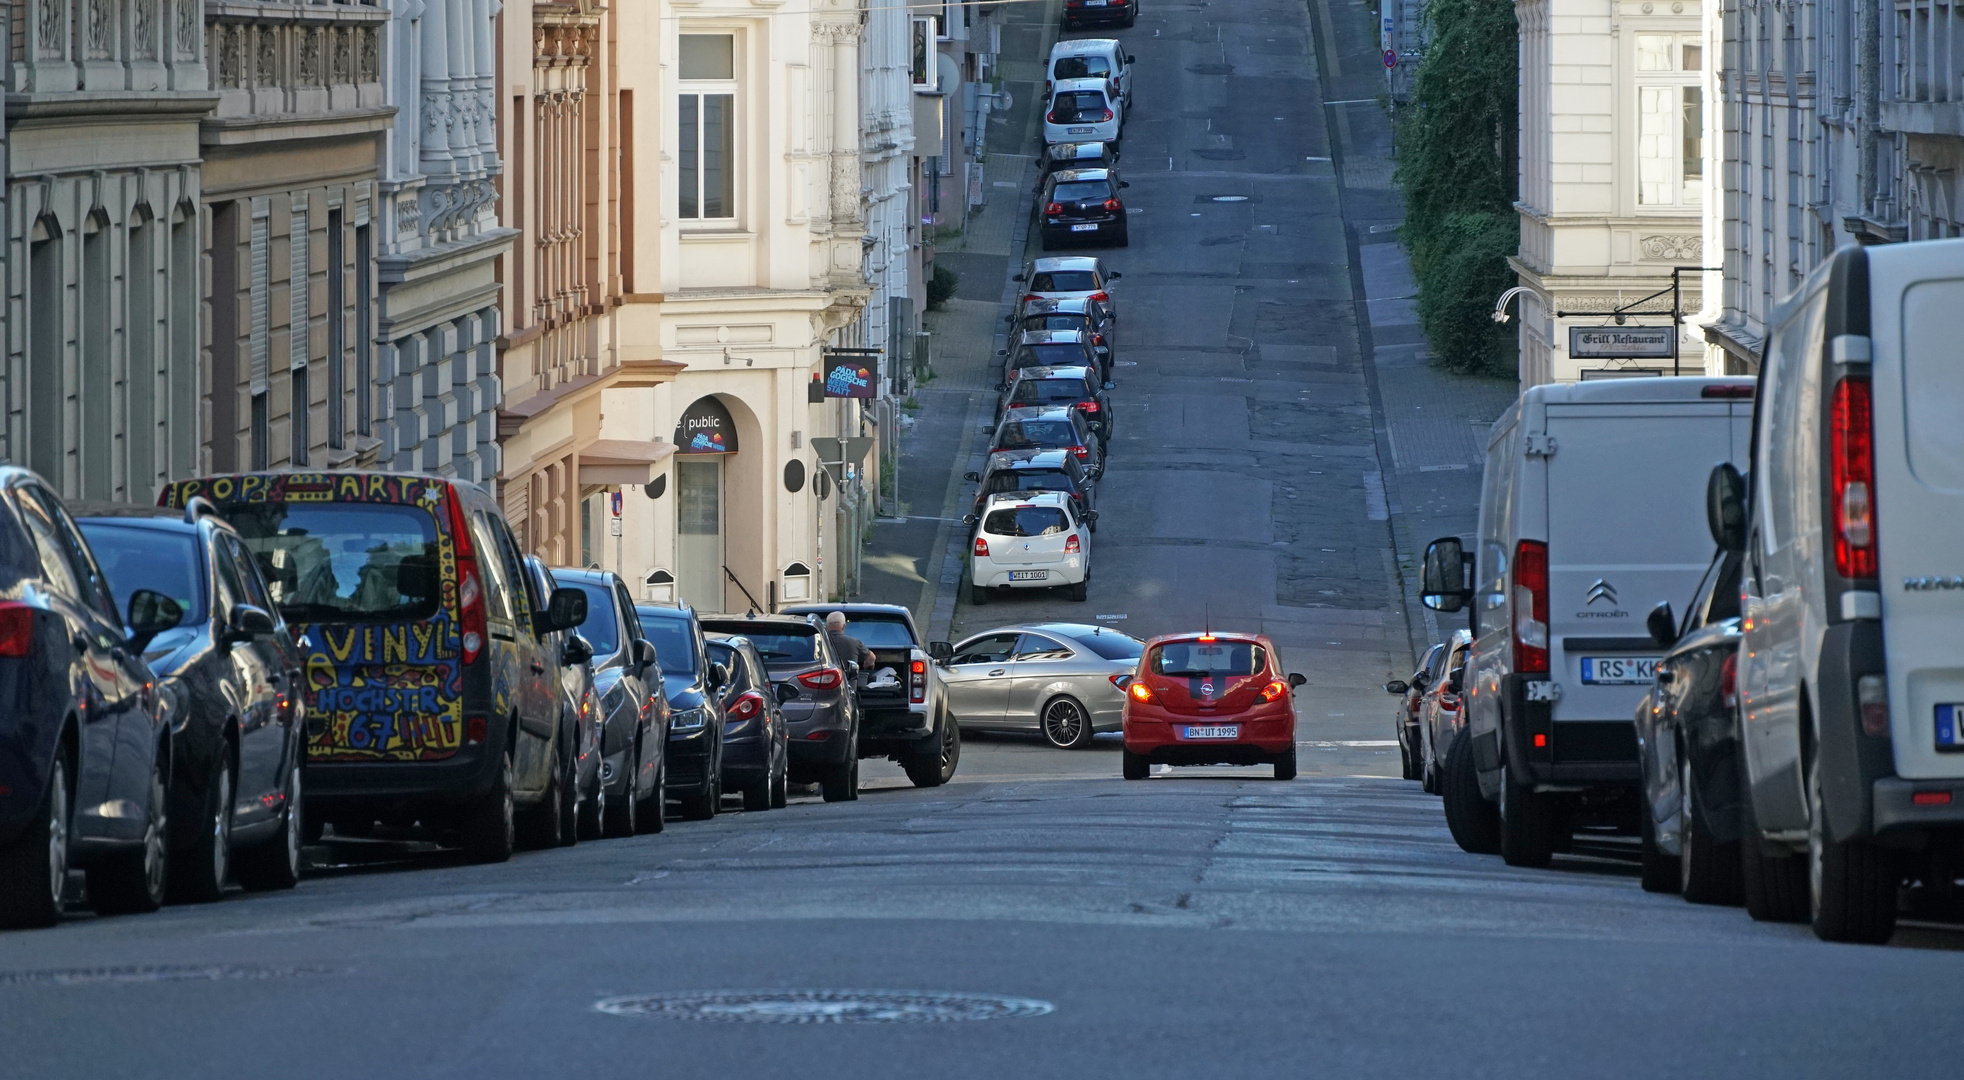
[[851, 373], [1622, 342]]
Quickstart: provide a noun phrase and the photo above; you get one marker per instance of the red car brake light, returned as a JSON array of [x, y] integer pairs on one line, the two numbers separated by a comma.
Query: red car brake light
[[1141, 692], [1100, 297], [16, 630], [1071, 546], [1275, 691], [917, 682], [1054, 209], [823, 679], [470, 591], [1113, 205], [1081, 451], [747, 706], [1530, 602], [981, 548]]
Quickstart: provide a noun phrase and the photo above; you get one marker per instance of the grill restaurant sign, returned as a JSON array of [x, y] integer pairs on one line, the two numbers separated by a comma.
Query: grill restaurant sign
[[706, 428], [1620, 342]]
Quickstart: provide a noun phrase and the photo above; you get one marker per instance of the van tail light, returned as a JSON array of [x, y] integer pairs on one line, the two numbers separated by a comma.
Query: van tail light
[[747, 707], [917, 682], [1729, 681], [1054, 209], [1071, 545], [1113, 206], [1097, 339], [1851, 474], [1872, 695], [1274, 691], [470, 589], [823, 679], [1530, 603], [16, 630], [1141, 692], [981, 548]]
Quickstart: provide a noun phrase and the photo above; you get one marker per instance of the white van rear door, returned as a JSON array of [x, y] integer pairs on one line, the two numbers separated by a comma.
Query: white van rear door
[[1918, 395], [1626, 529]]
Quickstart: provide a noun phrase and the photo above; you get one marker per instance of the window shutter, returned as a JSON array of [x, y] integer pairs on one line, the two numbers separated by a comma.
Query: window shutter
[[260, 287], [299, 291]]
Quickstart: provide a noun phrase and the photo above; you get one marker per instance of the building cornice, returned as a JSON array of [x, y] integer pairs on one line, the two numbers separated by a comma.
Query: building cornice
[[110, 106], [284, 127]]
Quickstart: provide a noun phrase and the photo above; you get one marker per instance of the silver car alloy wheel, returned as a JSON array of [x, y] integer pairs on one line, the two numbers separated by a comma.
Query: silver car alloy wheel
[[1063, 722], [293, 820], [221, 828], [58, 835], [156, 835]]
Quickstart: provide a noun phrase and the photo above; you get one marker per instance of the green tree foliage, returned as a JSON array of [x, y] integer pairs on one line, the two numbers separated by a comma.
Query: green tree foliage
[[1456, 166], [941, 286]]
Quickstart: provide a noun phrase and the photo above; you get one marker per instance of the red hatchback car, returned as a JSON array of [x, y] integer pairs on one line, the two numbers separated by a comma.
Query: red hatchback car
[[1210, 699]]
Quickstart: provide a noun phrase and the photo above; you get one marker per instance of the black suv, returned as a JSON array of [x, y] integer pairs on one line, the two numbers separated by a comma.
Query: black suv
[[814, 689], [232, 678], [1078, 13], [695, 711], [1083, 204], [1036, 470]]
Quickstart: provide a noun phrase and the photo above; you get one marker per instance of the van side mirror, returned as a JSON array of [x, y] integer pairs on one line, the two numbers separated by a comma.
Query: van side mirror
[[1113, 276], [151, 613], [1725, 507], [1090, 516], [564, 610], [970, 520], [1124, 183], [1442, 584], [719, 676], [1397, 686], [1663, 625]]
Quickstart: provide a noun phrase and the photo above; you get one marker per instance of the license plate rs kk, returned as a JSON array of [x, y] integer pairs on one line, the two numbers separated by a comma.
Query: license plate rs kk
[[1618, 670]]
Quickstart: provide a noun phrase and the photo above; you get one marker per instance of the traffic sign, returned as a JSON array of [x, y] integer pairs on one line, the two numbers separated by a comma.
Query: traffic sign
[[1391, 58]]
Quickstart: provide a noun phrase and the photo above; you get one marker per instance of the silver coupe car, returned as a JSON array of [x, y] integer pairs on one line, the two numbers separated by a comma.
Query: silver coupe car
[[1058, 679]]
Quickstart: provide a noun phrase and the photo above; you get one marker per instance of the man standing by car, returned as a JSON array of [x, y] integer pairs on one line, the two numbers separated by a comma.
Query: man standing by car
[[844, 645]]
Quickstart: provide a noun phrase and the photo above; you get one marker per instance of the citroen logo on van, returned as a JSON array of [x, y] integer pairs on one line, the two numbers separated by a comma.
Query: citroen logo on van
[[1601, 590]]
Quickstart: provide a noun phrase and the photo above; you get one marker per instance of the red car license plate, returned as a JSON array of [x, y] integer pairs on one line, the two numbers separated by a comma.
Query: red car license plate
[[1213, 731]]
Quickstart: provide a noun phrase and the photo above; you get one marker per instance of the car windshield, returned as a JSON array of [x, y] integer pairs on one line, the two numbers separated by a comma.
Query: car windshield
[[1064, 281], [1187, 658], [1025, 434], [164, 562], [791, 646], [1082, 191], [675, 647], [1066, 355], [1056, 321], [1074, 106], [875, 632], [337, 561], [1082, 67], [1048, 392], [1026, 521], [1109, 644], [601, 630], [1028, 480]]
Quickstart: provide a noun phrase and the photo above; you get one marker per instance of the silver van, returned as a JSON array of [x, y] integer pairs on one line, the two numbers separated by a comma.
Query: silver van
[[1590, 513], [1850, 670]]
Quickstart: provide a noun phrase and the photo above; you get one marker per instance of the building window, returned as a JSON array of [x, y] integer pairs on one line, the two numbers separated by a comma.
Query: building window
[[706, 127], [922, 66], [337, 331], [1670, 121], [302, 437]]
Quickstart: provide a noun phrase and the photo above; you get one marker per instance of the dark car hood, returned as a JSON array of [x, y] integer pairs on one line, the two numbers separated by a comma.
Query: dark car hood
[[684, 692]]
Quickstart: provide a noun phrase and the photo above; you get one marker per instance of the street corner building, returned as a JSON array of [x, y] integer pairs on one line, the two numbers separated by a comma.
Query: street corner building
[[688, 185]]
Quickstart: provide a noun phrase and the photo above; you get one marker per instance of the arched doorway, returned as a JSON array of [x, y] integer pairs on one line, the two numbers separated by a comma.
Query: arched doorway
[[704, 436]]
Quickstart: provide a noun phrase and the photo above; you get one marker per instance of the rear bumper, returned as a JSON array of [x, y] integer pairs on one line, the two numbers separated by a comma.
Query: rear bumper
[[882, 731], [746, 757], [339, 786], [1896, 810], [1571, 754], [1162, 737], [1063, 229], [819, 749], [992, 576]]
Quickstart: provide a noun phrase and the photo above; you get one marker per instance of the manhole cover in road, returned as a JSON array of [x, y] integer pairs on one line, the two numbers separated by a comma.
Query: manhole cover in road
[[159, 973], [825, 1006]]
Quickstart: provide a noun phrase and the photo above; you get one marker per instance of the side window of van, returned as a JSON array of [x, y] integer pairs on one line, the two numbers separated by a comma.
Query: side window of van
[[523, 602], [1496, 502], [498, 580]]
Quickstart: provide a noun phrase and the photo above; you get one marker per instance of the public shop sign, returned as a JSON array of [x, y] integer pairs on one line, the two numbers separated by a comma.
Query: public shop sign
[[1622, 342], [706, 428]]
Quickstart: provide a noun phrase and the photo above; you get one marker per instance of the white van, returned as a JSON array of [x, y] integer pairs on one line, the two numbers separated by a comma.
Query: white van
[[1090, 58], [1084, 110], [1591, 512], [1851, 664]]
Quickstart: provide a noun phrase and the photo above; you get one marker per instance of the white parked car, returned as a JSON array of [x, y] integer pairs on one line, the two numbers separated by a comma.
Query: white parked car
[[1029, 540], [1851, 689], [1084, 110], [1090, 58]]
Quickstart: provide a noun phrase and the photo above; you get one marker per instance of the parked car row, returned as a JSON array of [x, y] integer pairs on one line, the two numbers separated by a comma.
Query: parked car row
[[1794, 740], [174, 675]]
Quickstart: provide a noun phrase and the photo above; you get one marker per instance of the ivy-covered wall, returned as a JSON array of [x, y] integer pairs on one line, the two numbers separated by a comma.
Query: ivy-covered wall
[[1457, 168]]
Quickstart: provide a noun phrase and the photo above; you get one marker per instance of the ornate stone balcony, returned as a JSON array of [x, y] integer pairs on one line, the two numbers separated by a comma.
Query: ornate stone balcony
[[278, 64]]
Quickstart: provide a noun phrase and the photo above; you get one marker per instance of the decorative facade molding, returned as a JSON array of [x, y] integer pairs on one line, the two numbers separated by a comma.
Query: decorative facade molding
[[1684, 247]]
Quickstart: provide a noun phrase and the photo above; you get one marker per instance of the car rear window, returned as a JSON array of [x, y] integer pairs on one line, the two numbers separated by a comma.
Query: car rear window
[[1187, 658], [1082, 67], [1070, 354], [1028, 480], [1082, 191], [1026, 521], [1048, 392], [1057, 322], [337, 561], [1024, 434], [1933, 320], [1064, 281], [165, 562], [675, 646], [790, 646], [1109, 644], [601, 630], [1073, 106], [878, 633]]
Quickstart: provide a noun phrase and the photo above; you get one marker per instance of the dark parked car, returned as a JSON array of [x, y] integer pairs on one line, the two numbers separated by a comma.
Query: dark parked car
[[1049, 427], [1079, 313], [232, 678], [84, 744], [581, 800], [695, 713], [1036, 470], [814, 689], [756, 759], [1442, 712], [1081, 13], [1083, 204], [627, 674], [1405, 718], [1077, 387], [1688, 746], [430, 677], [1047, 348]]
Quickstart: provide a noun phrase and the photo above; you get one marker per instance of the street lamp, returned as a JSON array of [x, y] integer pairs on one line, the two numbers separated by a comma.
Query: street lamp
[[1500, 306]]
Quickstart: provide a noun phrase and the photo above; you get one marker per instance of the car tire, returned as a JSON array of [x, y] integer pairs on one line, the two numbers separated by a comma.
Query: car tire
[[1406, 769], [1660, 872], [619, 820], [1079, 591], [1774, 884], [540, 826], [1708, 869], [1527, 823], [840, 783], [978, 595], [591, 823], [34, 868], [703, 805], [1473, 821], [133, 882], [757, 797], [1134, 766], [936, 764], [781, 787], [651, 816], [1285, 765], [1065, 723], [1852, 884], [275, 864], [569, 797], [202, 861], [491, 823]]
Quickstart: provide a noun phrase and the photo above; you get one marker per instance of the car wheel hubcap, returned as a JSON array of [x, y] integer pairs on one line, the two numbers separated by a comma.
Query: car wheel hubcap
[[1816, 840], [58, 837], [221, 840], [1063, 723], [293, 822], [1684, 821], [153, 839]]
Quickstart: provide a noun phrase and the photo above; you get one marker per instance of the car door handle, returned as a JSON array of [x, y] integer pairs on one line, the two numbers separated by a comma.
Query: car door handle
[[1000, 671]]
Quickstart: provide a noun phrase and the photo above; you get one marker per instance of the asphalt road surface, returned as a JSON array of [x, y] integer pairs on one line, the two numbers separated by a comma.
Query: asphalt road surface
[[1206, 923]]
